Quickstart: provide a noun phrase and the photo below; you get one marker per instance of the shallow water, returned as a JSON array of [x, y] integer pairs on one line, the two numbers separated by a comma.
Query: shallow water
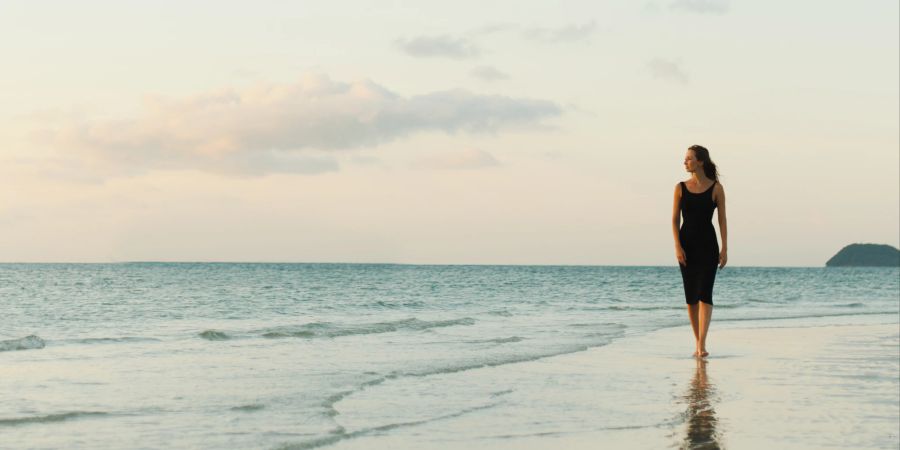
[[258, 355]]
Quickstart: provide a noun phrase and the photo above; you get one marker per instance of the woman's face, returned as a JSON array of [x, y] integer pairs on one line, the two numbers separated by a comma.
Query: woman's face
[[690, 162]]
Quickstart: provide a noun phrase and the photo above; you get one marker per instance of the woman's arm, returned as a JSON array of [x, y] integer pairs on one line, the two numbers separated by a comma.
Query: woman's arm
[[723, 224], [676, 224]]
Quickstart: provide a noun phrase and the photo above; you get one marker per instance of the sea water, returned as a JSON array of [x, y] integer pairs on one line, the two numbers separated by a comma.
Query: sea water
[[221, 355]]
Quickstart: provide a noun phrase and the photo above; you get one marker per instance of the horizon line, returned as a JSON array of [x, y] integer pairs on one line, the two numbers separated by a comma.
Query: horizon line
[[390, 264]]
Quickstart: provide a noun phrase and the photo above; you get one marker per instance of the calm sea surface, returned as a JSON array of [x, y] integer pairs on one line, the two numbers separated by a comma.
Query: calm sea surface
[[178, 355]]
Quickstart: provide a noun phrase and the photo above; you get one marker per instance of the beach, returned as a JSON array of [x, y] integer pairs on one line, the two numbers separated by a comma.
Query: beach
[[466, 225], [296, 356], [782, 384]]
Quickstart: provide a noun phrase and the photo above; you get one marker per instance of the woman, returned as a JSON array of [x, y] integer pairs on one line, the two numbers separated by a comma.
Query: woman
[[696, 247]]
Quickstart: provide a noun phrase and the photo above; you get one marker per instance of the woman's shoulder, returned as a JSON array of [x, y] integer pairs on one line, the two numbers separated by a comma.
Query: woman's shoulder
[[718, 192]]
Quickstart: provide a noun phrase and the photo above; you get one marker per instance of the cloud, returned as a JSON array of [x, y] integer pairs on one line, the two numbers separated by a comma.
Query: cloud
[[463, 160], [568, 33], [488, 73], [443, 46], [494, 28], [276, 128], [701, 6], [668, 70], [267, 162], [446, 46]]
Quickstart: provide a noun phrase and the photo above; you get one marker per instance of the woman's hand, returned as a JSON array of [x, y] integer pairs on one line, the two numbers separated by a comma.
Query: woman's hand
[[723, 258], [679, 254]]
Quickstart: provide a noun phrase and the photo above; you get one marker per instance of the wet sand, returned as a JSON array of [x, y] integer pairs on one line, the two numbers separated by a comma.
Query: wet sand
[[789, 385]]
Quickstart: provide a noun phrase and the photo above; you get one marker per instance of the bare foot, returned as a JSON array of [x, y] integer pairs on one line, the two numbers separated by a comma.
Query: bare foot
[[704, 353]]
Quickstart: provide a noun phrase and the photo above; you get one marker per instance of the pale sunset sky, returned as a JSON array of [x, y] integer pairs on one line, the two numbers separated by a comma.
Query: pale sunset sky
[[433, 132]]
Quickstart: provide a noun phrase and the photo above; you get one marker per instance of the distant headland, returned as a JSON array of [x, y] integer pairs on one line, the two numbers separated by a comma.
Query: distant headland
[[867, 255]]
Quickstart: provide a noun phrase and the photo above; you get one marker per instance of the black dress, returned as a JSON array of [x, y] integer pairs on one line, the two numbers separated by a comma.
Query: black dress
[[701, 248]]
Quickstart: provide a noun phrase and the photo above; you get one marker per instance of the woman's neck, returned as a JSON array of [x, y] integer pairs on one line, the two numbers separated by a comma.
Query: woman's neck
[[699, 178]]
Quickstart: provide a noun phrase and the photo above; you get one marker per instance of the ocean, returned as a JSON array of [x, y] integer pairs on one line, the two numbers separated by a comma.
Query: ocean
[[233, 355]]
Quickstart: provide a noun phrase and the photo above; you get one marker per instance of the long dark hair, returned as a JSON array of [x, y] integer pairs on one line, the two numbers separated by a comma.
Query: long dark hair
[[709, 167]]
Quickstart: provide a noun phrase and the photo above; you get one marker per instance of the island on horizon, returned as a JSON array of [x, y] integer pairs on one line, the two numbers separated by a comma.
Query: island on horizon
[[866, 255]]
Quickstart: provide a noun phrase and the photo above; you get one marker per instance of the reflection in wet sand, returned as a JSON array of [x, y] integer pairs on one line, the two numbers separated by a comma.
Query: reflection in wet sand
[[701, 417]]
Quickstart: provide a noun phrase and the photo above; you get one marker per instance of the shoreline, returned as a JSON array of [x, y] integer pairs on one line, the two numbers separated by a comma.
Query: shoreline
[[794, 385]]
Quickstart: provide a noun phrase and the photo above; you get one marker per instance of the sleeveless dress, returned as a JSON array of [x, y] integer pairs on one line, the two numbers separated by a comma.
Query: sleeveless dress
[[701, 248]]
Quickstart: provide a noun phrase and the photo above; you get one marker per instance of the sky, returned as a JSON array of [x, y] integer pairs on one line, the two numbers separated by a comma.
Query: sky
[[434, 132]]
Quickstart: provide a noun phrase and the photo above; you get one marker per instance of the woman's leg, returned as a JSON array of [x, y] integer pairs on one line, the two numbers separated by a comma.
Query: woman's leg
[[693, 314], [705, 315]]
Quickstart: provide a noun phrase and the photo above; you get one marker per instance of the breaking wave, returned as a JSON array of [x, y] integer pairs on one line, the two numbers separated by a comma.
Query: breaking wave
[[214, 335], [329, 329], [26, 343], [50, 418]]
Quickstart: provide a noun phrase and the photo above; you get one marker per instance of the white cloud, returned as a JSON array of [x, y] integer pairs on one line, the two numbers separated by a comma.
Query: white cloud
[[447, 46], [668, 70], [282, 127], [489, 73], [438, 46], [701, 6], [568, 33], [466, 159]]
